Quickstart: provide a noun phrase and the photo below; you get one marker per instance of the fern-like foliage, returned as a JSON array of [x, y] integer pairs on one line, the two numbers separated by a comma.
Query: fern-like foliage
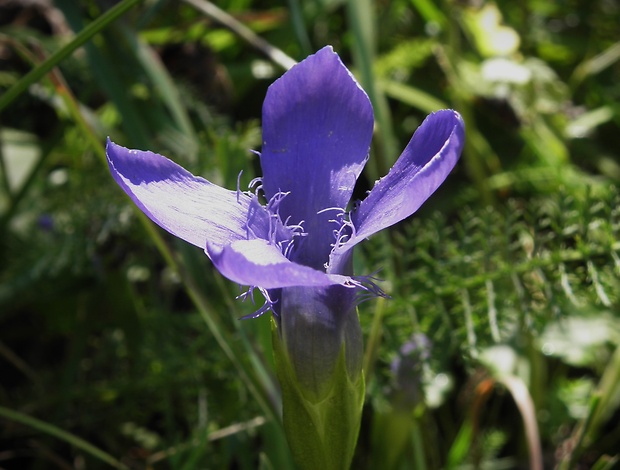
[[480, 277]]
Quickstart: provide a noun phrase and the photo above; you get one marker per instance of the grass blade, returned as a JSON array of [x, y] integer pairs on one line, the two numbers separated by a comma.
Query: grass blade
[[88, 32], [55, 431]]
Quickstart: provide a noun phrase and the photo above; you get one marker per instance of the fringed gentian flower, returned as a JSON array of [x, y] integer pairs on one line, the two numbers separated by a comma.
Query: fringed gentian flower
[[297, 249]]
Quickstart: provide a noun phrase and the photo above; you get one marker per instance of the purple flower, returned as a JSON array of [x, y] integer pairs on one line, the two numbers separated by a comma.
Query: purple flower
[[317, 128], [407, 369]]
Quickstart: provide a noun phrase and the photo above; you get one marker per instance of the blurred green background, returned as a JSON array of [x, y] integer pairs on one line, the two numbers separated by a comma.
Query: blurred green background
[[499, 347]]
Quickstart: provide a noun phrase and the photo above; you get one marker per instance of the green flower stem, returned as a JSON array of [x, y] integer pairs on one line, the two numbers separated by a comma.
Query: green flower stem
[[321, 435], [391, 431]]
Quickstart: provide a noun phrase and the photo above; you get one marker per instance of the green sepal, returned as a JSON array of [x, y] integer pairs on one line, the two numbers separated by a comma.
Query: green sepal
[[322, 434]]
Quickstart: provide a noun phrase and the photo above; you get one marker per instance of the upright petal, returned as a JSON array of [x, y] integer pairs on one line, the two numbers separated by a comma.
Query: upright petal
[[317, 127], [185, 205], [425, 163]]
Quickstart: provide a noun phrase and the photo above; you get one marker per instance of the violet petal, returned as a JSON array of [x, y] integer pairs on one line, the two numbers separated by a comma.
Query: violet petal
[[258, 263], [317, 127], [185, 205], [425, 163]]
